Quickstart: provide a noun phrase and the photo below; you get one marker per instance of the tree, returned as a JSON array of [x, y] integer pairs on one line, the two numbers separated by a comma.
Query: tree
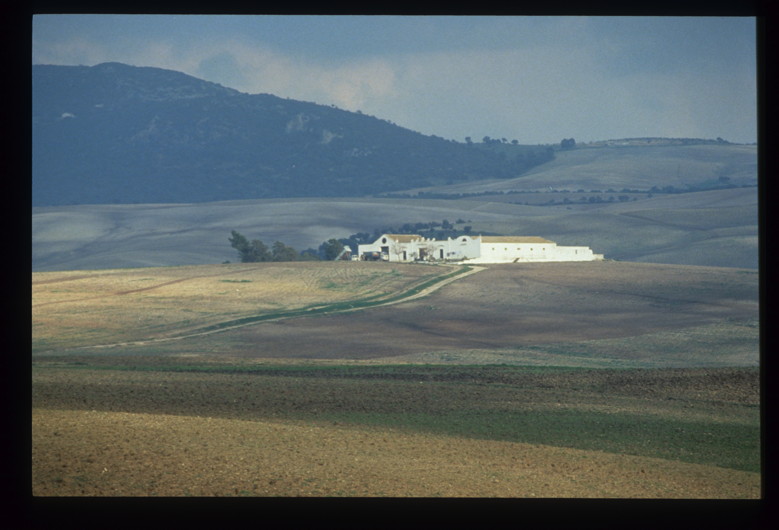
[[282, 252], [249, 252], [259, 251], [241, 244], [309, 255], [568, 143], [330, 249]]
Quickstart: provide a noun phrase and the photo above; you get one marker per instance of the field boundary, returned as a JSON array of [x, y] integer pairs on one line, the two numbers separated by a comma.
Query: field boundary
[[416, 291]]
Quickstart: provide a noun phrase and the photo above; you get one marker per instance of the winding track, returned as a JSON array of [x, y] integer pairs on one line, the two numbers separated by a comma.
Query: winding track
[[406, 296]]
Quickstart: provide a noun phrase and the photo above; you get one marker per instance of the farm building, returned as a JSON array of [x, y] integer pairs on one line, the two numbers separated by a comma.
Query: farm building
[[474, 249]]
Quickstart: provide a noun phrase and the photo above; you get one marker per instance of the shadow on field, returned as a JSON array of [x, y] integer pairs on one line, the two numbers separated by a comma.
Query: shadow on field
[[516, 306]]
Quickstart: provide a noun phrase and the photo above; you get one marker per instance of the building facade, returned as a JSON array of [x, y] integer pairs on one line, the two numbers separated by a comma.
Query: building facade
[[473, 249]]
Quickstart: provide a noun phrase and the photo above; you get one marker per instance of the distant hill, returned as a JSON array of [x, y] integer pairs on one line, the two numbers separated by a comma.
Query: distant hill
[[684, 165], [114, 133], [713, 228]]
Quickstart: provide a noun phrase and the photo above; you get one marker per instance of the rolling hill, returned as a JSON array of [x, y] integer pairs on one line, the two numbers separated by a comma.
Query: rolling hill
[[682, 167], [149, 167], [715, 228], [119, 134]]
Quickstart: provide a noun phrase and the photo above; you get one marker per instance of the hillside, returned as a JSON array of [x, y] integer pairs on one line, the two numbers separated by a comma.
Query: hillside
[[113, 133], [593, 314], [683, 167], [715, 228]]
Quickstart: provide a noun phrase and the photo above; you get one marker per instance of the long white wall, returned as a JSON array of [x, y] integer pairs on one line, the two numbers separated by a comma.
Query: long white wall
[[473, 250], [532, 252]]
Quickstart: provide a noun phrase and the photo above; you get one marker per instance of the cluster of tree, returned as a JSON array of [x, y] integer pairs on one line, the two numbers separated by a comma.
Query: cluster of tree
[[519, 158], [568, 143], [487, 140], [433, 229], [720, 184], [657, 141], [256, 251], [436, 195]]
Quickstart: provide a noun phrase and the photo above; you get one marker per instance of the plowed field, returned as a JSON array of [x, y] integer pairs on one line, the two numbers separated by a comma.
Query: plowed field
[[549, 380], [128, 454]]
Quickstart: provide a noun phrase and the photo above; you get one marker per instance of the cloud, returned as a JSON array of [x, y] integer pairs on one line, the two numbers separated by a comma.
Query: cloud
[[72, 51], [538, 91], [348, 84]]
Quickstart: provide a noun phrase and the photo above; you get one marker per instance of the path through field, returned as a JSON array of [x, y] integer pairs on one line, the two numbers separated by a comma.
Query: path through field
[[411, 293]]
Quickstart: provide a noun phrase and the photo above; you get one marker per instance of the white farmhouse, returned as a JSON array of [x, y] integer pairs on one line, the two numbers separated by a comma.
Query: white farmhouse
[[473, 249]]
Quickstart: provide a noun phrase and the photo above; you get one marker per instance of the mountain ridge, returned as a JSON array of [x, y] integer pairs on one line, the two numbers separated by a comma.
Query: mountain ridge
[[119, 134]]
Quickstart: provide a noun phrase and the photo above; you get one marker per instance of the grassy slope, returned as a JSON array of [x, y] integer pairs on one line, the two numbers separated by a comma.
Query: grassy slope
[[72, 309], [629, 167], [585, 314]]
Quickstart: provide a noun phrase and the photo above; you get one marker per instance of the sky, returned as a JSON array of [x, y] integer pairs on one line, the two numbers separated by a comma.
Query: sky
[[534, 79]]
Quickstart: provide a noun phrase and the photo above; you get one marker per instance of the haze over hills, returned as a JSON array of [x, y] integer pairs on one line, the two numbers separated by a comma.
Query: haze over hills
[[202, 160], [114, 133], [715, 228]]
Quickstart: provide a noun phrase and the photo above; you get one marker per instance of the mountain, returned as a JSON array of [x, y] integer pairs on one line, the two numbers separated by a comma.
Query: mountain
[[114, 133]]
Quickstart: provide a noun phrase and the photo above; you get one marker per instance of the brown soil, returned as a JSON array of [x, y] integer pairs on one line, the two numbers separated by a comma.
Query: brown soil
[[77, 453], [513, 306], [133, 433], [111, 432]]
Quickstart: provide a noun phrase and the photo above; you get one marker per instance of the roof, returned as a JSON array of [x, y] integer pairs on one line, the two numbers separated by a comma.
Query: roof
[[403, 238], [514, 239]]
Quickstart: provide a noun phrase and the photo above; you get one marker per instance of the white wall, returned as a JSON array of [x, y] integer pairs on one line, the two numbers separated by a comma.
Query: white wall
[[473, 250], [507, 252]]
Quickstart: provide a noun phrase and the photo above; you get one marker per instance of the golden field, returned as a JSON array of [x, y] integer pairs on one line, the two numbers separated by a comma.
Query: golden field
[[86, 308]]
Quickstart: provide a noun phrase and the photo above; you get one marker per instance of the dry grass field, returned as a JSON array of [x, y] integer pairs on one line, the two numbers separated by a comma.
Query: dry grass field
[[600, 379], [82, 308]]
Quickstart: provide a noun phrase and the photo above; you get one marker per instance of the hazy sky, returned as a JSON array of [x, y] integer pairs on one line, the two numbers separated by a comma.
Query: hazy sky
[[534, 79]]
